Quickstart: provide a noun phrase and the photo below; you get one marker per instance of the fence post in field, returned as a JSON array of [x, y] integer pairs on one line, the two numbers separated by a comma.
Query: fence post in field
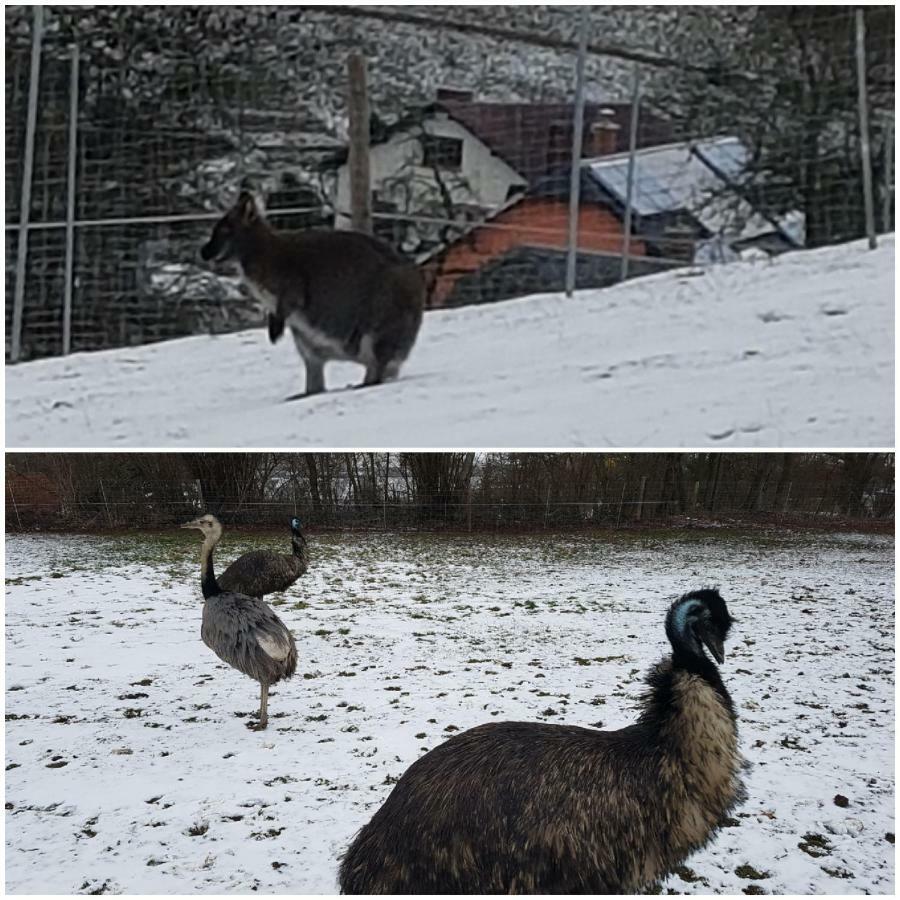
[[632, 163], [358, 156], [106, 504], [787, 496], [621, 504], [696, 494], [887, 206], [70, 205], [34, 81], [864, 147], [12, 496], [640, 502], [577, 141]]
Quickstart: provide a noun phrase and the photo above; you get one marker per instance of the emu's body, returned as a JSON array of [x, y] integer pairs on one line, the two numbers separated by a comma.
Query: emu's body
[[344, 295], [242, 631], [262, 572], [521, 807]]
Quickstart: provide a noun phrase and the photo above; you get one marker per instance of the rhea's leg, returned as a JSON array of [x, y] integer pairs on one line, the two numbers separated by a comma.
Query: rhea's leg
[[263, 708]]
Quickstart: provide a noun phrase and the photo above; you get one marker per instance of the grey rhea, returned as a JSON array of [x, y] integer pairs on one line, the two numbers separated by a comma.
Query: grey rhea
[[524, 807], [344, 295], [242, 631], [262, 572]]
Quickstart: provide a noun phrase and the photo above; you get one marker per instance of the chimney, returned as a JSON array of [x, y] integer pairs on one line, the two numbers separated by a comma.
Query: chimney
[[602, 139], [455, 95]]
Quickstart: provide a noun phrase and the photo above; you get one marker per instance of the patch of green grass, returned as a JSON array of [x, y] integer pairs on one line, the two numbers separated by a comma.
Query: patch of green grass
[[748, 872]]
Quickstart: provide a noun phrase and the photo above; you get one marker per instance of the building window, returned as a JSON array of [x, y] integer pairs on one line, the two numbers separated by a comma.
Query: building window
[[441, 152]]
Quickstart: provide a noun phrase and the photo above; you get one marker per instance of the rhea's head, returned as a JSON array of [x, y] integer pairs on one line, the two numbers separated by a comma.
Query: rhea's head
[[225, 242], [209, 525], [697, 620]]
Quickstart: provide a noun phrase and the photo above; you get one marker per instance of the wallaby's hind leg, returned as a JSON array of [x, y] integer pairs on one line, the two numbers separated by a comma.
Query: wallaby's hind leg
[[315, 375], [389, 354], [315, 367], [374, 374]]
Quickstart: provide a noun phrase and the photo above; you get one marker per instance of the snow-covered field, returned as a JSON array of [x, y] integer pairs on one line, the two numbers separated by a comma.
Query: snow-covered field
[[793, 352], [129, 767]]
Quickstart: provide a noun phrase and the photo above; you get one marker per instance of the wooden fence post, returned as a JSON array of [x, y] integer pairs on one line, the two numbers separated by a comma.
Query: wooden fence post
[[640, 503], [358, 157]]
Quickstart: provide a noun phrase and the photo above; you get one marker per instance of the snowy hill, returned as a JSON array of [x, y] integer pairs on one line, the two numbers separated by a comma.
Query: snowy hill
[[792, 352]]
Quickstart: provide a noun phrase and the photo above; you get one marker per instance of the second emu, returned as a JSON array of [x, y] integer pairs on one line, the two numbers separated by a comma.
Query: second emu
[[529, 808]]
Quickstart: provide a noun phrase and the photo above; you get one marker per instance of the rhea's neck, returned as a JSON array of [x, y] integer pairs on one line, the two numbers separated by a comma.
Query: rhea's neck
[[208, 583]]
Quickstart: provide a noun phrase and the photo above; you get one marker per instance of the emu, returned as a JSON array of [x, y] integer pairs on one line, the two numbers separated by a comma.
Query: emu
[[262, 572], [343, 294], [523, 807], [241, 630]]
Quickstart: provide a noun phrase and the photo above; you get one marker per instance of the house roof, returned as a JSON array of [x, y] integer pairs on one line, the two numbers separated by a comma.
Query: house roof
[[702, 178], [534, 139]]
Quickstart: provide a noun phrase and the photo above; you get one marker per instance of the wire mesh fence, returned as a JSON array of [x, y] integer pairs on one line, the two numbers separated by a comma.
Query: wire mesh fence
[[454, 491], [706, 135]]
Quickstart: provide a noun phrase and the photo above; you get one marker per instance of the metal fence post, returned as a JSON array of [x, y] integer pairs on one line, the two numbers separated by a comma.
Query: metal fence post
[[577, 141], [888, 175], [632, 163], [37, 34], [865, 150], [70, 206]]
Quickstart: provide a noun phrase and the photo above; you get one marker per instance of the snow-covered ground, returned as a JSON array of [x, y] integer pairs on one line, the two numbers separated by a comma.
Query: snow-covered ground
[[793, 352], [129, 767]]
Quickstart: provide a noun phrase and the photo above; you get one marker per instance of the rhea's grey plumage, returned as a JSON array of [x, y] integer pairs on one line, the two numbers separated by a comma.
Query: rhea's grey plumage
[[523, 807], [241, 630], [262, 572]]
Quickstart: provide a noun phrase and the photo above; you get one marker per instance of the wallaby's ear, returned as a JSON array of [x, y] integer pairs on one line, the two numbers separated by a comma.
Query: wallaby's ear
[[246, 207]]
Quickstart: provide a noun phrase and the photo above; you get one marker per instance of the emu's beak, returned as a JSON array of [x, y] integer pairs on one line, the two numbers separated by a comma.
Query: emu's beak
[[713, 643]]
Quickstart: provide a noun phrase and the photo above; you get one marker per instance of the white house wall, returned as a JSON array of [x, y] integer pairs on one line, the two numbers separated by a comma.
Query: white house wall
[[487, 177]]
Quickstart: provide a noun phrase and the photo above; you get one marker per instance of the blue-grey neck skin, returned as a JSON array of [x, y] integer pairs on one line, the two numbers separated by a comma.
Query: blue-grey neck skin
[[687, 651], [208, 583]]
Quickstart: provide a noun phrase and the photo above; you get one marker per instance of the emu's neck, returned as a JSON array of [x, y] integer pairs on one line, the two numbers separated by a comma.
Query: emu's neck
[[208, 583], [691, 709]]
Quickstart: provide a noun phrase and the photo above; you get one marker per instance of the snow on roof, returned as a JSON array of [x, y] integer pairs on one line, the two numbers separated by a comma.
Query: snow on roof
[[698, 177]]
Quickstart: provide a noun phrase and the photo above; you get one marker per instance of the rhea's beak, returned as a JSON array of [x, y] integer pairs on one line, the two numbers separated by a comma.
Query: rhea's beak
[[713, 643], [193, 524]]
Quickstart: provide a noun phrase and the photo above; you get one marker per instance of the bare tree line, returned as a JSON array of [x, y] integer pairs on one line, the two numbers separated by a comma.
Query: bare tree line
[[459, 491]]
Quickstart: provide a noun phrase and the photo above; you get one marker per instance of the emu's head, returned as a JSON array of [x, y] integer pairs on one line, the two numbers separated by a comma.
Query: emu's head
[[225, 242], [209, 525], [295, 525], [697, 620]]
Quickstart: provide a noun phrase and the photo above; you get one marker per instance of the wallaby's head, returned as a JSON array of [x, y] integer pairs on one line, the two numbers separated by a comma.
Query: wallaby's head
[[226, 239]]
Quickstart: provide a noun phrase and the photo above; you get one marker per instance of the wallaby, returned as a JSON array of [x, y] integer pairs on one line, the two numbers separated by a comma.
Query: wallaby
[[343, 294]]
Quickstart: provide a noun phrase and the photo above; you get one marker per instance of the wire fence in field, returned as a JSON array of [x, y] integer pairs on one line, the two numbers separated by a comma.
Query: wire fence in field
[[463, 492], [512, 149]]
